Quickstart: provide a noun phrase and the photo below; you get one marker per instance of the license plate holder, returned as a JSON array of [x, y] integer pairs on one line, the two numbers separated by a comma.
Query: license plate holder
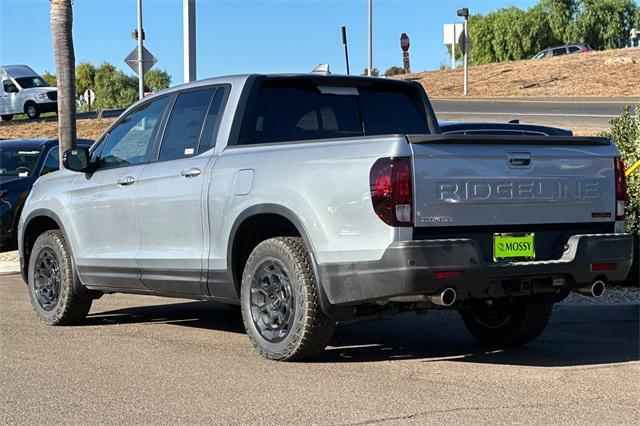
[[513, 246]]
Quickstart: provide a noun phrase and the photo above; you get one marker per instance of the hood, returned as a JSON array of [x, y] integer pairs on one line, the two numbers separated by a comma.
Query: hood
[[42, 89]]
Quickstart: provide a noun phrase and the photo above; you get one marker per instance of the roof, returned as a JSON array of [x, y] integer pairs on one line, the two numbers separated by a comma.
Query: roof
[[17, 71], [37, 143]]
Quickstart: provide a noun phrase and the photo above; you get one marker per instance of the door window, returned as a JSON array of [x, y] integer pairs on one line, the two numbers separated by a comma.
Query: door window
[[52, 162], [573, 49], [209, 132], [559, 52], [129, 141], [184, 127], [9, 87]]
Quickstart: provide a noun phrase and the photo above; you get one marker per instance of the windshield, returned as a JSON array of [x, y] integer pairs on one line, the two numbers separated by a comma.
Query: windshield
[[30, 82], [16, 162]]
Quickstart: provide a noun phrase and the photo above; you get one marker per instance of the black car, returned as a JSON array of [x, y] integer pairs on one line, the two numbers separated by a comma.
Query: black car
[[22, 162], [512, 128]]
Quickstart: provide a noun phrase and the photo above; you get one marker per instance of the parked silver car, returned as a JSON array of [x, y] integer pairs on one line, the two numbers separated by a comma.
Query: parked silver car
[[563, 50]]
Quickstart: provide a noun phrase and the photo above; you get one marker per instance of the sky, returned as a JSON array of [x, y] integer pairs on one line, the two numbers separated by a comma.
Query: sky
[[240, 36]]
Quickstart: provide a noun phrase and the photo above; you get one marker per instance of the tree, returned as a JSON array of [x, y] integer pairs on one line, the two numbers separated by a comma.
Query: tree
[[155, 80], [374, 72], [605, 24], [85, 77], [114, 89], [50, 79], [61, 17], [393, 71]]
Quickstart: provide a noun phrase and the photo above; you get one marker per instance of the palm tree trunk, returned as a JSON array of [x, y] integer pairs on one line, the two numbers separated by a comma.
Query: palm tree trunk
[[61, 16]]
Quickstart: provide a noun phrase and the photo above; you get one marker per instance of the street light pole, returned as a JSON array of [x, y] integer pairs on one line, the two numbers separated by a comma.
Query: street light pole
[[189, 39], [370, 64], [140, 64], [466, 55], [464, 12]]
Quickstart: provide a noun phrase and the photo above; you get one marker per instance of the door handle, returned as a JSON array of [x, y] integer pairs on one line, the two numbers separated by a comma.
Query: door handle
[[192, 172], [519, 159], [127, 180]]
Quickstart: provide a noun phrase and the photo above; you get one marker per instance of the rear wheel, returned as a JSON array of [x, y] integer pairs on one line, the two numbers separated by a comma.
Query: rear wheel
[[31, 109], [6, 117], [280, 302], [51, 282], [507, 322]]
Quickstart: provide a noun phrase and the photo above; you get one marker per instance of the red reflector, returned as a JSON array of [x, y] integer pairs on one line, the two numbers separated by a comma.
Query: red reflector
[[447, 275], [603, 266]]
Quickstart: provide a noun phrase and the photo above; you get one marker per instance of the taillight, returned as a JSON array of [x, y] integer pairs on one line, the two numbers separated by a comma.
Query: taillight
[[621, 188], [392, 191]]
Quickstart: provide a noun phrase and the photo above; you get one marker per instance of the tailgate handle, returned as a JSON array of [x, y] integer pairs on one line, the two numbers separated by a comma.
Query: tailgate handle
[[519, 159]]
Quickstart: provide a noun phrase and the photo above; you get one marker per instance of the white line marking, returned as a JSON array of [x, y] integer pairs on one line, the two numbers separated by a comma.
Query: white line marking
[[532, 114], [630, 101]]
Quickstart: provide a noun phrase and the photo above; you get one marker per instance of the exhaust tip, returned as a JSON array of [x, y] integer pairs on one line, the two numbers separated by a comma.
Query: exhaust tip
[[598, 288], [446, 297]]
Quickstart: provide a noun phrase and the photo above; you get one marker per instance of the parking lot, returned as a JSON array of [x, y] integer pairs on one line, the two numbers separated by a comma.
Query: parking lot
[[154, 360]]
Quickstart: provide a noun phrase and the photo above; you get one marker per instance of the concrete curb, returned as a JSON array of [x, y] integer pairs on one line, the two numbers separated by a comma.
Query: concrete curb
[[7, 268]]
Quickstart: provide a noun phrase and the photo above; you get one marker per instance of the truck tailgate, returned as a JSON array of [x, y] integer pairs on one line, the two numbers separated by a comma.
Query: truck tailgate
[[471, 181]]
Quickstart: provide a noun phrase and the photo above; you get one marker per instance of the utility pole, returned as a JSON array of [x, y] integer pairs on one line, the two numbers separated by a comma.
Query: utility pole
[[346, 48], [189, 39], [370, 66], [464, 12], [140, 42]]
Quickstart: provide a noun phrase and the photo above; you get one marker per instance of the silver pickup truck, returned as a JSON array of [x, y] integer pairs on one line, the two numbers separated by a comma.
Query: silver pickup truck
[[313, 199]]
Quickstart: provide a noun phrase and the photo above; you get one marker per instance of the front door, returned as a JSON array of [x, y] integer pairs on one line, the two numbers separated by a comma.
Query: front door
[[102, 202], [10, 98], [171, 203]]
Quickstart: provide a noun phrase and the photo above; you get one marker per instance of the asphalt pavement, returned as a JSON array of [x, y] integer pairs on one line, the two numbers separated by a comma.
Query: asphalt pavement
[[570, 113], [150, 360]]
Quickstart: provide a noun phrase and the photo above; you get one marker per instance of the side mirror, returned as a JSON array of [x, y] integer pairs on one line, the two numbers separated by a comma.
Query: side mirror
[[76, 159]]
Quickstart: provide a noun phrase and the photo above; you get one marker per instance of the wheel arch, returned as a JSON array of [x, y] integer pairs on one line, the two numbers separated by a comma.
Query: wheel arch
[[37, 222], [237, 257]]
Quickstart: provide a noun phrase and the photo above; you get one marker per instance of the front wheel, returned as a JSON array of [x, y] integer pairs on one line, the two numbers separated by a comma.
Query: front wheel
[[506, 322], [31, 109], [280, 302], [51, 282], [7, 117]]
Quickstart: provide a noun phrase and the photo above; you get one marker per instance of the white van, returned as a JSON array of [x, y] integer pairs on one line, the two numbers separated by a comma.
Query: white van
[[24, 91]]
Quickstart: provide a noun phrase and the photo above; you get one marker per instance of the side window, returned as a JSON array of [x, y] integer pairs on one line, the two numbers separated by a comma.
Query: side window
[[185, 124], [573, 49], [9, 87], [209, 132], [52, 162], [559, 52], [128, 142]]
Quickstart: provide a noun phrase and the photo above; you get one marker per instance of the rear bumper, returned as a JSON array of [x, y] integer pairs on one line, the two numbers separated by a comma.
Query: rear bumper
[[408, 268]]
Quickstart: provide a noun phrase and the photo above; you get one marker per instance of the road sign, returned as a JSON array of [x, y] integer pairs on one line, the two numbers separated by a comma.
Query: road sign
[[451, 32], [464, 42], [148, 60], [404, 42], [89, 96]]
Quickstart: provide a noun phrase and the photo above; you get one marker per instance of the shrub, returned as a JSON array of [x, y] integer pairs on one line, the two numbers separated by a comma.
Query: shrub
[[625, 133]]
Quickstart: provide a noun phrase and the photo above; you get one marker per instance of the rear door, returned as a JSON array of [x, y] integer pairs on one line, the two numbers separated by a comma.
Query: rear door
[[170, 207], [102, 203]]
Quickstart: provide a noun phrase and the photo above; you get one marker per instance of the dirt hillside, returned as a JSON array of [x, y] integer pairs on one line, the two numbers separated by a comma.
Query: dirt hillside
[[612, 73], [87, 129]]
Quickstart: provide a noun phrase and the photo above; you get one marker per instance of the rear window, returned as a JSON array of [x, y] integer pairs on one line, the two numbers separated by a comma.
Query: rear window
[[291, 111]]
